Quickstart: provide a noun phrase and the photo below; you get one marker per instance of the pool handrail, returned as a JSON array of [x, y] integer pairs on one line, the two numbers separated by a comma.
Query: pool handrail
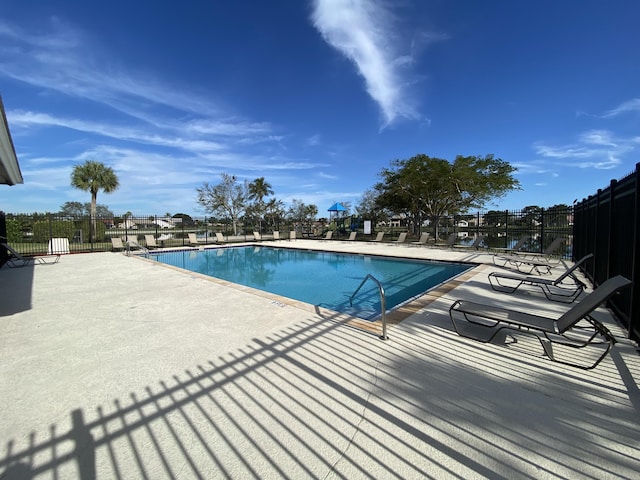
[[383, 306]]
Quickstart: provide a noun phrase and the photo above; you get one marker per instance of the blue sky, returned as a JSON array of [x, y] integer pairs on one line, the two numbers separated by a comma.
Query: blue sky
[[315, 96]]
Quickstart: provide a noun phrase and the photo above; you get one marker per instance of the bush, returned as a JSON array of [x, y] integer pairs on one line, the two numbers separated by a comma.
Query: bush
[[14, 231], [43, 231]]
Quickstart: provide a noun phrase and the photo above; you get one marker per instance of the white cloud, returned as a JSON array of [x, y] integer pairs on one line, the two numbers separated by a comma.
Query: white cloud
[[626, 107], [364, 32], [599, 149]]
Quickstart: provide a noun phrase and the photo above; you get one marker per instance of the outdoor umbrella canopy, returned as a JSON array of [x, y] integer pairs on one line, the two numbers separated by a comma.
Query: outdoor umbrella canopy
[[336, 207]]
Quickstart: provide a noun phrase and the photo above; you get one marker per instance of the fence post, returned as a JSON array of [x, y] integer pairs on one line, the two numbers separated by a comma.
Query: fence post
[[542, 230]]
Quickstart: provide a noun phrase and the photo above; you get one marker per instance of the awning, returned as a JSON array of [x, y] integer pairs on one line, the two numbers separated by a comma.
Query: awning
[[9, 169], [336, 207]]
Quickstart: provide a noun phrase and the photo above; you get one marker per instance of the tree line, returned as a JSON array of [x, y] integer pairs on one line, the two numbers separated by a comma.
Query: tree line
[[419, 188]]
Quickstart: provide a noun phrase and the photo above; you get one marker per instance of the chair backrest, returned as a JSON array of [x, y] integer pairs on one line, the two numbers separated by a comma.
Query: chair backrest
[[292, 235], [570, 271], [479, 239], [192, 238], [116, 242], [592, 301], [219, 237], [451, 239], [352, 236], [150, 240], [402, 237], [379, 237], [329, 235], [424, 237], [257, 236], [554, 246], [276, 235], [12, 251], [520, 243]]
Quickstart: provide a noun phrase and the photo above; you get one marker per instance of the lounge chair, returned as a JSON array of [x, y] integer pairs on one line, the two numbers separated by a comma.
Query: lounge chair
[[563, 331], [17, 260], [401, 238], [292, 235], [519, 245], [257, 237], [474, 245], [557, 290], [328, 235], [220, 238], [378, 238], [538, 265], [548, 254], [116, 244], [193, 240], [352, 236], [150, 241], [451, 239], [424, 238], [276, 235]]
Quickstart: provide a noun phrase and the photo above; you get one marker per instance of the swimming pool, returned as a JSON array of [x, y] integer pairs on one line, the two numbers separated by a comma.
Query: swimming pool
[[325, 279]]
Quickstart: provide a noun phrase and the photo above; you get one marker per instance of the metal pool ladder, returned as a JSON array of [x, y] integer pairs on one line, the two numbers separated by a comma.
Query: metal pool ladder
[[383, 306]]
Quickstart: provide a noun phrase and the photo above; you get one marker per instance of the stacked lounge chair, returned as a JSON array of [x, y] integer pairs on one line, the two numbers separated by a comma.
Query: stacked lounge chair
[[565, 288]]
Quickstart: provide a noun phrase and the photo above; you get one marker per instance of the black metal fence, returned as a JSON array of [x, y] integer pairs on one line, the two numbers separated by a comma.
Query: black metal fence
[[607, 224], [33, 234]]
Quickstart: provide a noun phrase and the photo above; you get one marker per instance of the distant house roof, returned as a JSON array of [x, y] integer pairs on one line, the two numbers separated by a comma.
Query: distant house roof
[[9, 169]]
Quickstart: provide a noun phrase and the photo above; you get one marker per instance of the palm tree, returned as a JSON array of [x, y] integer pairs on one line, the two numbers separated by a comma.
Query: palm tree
[[94, 176], [257, 190]]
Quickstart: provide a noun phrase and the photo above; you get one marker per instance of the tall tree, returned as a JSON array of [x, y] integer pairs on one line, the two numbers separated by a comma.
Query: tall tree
[[94, 176], [227, 199], [434, 187], [256, 192]]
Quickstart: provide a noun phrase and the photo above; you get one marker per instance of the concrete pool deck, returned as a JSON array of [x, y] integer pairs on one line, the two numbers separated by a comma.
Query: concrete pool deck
[[117, 367]]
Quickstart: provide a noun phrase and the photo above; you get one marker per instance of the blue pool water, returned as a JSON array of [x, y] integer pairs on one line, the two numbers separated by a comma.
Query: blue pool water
[[325, 279]]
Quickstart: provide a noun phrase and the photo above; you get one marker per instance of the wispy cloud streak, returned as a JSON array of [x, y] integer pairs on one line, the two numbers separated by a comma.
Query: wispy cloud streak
[[363, 31], [599, 149]]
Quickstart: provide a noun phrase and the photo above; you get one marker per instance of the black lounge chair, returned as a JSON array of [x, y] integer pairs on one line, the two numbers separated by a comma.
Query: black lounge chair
[[519, 245], [557, 290], [548, 254], [474, 245], [549, 331], [538, 265], [451, 239], [16, 260]]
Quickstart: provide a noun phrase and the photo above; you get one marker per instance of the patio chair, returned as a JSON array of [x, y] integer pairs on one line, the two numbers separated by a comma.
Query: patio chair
[[193, 240], [16, 260], [563, 331], [116, 244], [548, 254], [352, 237], [292, 235], [557, 290], [540, 265], [378, 238], [328, 235], [401, 238], [150, 241], [449, 242], [474, 245], [519, 245], [424, 238], [257, 237], [276, 235], [220, 238]]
